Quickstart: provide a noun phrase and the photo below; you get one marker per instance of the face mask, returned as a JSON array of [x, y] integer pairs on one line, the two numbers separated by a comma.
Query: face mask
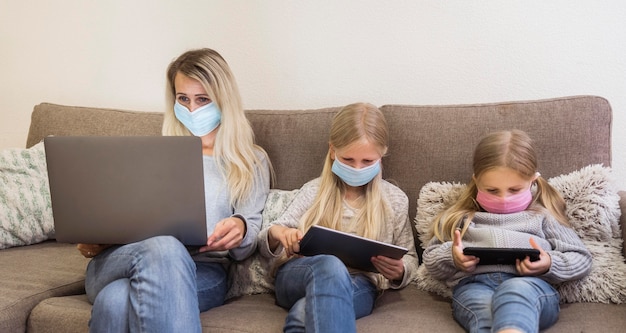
[[507, 205], [201, 121], [355, 177]]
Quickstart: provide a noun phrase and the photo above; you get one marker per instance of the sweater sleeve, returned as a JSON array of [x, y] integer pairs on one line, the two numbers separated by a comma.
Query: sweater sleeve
[[403, 236], [437, 258], [570, 258], [251, 210], [289, 218]]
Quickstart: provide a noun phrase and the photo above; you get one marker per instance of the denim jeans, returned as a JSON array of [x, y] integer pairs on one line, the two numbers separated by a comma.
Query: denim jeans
[[494, 301], [322, 296], [151, 286]]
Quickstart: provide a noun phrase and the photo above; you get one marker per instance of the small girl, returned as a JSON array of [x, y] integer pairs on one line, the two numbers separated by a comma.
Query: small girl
[[320, 292], [502, 208]]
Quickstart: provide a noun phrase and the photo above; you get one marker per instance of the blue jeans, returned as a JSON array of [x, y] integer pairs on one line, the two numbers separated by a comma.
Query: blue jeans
[[151, 286], [494, 301], [322, 296]]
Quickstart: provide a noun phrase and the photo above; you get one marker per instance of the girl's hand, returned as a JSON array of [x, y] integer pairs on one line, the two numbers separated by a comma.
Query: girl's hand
[[288, 237], [462, 262], [534, 268], [228, 234], [392, 269], [91, 250]]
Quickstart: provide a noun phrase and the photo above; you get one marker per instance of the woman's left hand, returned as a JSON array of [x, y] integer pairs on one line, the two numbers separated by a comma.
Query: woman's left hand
[[392, 269], [228, 234], [534, 268]]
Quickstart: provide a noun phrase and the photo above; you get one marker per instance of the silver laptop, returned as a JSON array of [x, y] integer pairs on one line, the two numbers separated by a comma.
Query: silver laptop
[[119, 190]]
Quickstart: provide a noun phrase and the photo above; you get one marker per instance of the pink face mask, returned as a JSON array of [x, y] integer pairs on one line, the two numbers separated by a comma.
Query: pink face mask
[[507, 205]]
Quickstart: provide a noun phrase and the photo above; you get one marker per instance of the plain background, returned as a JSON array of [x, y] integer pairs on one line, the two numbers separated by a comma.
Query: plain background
[[314, 53]]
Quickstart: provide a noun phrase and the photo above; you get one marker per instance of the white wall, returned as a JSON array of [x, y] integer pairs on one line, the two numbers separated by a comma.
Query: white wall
[[314, 53]]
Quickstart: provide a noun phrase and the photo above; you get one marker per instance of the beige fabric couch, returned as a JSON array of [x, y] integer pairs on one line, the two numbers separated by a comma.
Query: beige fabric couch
[[41, 286]]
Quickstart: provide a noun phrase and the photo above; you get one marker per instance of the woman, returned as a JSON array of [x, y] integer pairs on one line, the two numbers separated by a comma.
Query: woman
[[155, 285]]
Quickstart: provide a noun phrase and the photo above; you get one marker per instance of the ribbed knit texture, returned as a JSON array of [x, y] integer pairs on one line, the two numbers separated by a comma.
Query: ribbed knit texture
[[570, 259]]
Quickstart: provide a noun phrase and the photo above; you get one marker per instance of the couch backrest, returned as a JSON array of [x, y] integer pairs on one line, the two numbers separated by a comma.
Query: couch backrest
[[428, 143]]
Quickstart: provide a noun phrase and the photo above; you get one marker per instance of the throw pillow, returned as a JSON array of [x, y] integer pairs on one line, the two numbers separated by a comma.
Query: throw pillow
[[251, 276], [25, 208], [593, 209]]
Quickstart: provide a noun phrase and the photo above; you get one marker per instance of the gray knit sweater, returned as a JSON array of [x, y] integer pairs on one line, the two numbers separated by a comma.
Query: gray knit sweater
[[570, 259], [398, 229]]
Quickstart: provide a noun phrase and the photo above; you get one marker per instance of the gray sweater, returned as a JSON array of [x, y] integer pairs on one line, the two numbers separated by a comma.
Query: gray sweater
[[570, 258], [398, 229], [218, 207]]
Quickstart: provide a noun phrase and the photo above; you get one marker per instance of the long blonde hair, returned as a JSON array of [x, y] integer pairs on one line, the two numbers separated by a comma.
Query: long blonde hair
[[511, 149], [234, 148], [352, 123]]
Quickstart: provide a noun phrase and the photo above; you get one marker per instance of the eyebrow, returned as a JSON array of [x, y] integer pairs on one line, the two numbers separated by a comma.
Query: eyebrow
[[196, 95]]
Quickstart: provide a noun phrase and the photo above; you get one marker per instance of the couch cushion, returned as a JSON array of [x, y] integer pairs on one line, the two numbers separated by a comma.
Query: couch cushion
[[406, 311], [52, 119], [55, 314], [295, 140], [33, 273]]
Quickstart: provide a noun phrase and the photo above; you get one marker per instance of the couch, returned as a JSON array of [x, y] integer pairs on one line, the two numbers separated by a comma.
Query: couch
[[42, 284]]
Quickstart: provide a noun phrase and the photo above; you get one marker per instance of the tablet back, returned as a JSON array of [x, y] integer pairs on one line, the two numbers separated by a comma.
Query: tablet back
[[354, 251]]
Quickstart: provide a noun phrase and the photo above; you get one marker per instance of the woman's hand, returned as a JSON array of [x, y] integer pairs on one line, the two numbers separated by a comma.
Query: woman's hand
[[534, 268], [228, 234], [288, 237], [461, 261], [392, 269], [91, 250]]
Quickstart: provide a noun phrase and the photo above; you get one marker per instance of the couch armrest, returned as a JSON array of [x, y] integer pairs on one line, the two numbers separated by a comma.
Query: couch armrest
[[622, 219]]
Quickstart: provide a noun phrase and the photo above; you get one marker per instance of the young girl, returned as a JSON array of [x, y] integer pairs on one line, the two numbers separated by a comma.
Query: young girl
[[321, 293], [502, 208]]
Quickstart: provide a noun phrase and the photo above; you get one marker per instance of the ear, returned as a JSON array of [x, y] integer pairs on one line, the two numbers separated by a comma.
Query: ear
[[331, 150]]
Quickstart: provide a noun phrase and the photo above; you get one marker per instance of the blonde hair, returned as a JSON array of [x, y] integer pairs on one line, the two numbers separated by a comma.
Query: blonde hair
[[234, 148], [511, 149], [352, 123]]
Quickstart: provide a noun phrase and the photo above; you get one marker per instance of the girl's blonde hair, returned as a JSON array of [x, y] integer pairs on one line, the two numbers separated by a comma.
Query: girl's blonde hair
[[234, 144], [511, 149], [353, 123]]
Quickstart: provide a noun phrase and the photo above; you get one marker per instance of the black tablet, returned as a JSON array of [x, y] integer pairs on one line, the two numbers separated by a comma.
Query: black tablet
[[354, 251], [501, 256]]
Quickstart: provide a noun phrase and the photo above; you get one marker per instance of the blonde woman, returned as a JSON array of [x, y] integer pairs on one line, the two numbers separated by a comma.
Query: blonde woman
[[156, 285], [320, 292], [507, 204]]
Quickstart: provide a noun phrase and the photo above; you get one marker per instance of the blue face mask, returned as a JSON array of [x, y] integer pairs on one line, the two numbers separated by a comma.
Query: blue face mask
[[355, 177], [201, 121]]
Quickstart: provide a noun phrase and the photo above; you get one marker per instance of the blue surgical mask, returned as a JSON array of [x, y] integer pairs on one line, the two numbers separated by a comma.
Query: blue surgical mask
[[355, 177], [201, 121]]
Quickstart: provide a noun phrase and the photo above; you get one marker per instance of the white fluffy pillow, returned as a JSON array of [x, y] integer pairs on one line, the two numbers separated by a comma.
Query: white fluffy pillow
[[251, 276], [593, 209], [25, 209]]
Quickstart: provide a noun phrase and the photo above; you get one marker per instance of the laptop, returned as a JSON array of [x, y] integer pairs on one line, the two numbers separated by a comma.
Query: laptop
[[355, 251], [119, 190]]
